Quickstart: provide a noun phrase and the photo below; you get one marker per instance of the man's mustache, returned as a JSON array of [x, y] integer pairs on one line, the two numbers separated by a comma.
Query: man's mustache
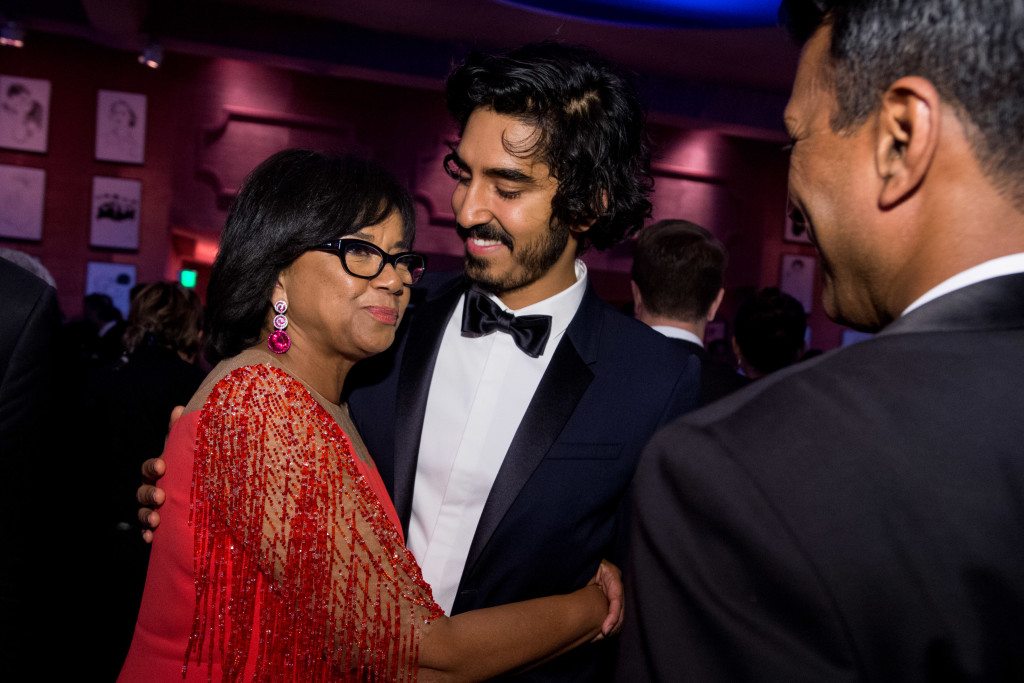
[[485, 231]]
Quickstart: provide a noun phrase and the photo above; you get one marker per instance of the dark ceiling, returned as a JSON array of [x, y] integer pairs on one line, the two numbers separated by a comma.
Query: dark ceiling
[[736, 77]]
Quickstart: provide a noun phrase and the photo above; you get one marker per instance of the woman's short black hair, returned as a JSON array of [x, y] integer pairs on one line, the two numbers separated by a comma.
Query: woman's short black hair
[[288, 205], [591, 124]]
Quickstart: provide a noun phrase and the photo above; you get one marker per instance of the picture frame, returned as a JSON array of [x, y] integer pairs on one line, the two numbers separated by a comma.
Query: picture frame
[[113, 279], [120, 126], [116, 206], [22, 190], [24, 113], [796, 278]]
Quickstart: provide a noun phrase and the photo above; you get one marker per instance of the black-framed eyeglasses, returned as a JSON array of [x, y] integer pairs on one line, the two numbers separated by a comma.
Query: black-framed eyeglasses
[[366, 260]]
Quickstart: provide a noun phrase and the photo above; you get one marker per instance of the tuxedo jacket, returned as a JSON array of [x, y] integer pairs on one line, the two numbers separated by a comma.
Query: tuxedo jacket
[[859, 516], [716, 380], [554, 510]]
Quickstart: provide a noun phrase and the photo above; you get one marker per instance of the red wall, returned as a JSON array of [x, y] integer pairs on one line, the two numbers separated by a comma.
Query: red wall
[[209, 121]]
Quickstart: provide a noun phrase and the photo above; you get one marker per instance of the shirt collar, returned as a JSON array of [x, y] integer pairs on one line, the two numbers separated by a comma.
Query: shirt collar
[[678, 333], [1004, 265], [561, 307]]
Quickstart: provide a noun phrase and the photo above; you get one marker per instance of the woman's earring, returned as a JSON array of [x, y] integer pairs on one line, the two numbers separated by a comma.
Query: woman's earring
[[279, 341]]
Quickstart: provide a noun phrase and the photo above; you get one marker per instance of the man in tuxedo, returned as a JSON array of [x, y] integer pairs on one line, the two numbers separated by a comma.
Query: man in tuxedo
[[508, 418], [858, 516], [678, 275]]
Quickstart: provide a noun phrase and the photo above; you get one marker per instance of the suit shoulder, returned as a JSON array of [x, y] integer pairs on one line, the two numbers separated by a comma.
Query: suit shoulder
[[809, 393], [16, 280], [625, 331], [31, 308]]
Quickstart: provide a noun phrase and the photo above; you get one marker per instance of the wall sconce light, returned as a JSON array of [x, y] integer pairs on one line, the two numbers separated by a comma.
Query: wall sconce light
[[152, 55], [12, 34]]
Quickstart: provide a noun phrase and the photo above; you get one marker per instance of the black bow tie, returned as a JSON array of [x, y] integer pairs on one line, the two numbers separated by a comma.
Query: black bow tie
[[481, 316]]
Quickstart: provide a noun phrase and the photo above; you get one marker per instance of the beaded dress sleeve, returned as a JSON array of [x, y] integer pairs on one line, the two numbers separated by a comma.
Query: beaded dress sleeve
[[292, 546]]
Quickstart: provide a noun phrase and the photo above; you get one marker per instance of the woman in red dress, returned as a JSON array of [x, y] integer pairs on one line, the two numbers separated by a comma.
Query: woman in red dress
[[281, 556]]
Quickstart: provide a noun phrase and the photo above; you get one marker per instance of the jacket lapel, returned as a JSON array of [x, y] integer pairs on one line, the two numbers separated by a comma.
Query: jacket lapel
[[559, 392], [421, 348], [997, 303]]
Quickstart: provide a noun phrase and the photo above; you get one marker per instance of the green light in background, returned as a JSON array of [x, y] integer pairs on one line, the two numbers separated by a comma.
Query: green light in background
[[188, 278]]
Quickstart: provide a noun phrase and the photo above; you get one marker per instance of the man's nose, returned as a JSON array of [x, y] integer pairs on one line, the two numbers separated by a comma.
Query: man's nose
[[471, 205]]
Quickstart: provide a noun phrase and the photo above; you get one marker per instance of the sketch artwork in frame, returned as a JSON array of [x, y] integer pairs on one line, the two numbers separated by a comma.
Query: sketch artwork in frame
[[113, 279], [21, 202], [797, 278], [120, 126], [24, 113], [116, 204]]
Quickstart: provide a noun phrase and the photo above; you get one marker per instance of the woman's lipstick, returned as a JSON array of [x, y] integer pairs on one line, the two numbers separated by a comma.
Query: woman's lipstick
[[383, 314]]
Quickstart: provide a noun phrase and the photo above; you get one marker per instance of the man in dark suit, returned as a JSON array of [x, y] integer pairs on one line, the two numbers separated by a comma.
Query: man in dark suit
[[678, 277], [508, 453], [30, 323], [859, 516]]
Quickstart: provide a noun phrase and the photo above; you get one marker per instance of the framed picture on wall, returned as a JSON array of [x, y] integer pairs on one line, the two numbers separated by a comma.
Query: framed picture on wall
[[120, 126], [116, 203], [24, 113], [796, 278], [21, 202], [113, 279]]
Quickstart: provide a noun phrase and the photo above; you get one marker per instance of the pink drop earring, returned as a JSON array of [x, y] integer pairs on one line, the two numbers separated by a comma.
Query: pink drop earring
[[279, 341]]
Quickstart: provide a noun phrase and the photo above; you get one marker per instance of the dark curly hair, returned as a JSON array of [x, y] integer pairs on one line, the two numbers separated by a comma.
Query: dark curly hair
[[591, 130], [290, 203], [972, 51]]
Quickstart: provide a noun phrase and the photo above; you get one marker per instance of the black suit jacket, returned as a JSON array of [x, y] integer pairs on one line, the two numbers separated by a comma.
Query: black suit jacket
[[30, 319], [716, 380], [554, 509], [859, 516]]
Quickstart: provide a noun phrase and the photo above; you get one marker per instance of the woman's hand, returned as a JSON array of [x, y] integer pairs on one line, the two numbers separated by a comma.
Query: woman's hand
[[609, 579]]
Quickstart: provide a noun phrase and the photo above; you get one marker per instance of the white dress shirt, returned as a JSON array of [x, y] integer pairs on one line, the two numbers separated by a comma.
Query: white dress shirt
[[1004, 265], [678, 333], [479, 392]]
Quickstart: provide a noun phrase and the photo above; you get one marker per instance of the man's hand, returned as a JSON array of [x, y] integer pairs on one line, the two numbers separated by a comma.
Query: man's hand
[[149, 495], [609, 578]]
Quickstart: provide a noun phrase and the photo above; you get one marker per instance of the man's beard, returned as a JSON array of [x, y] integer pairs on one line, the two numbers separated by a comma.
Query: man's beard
[[532, 260]]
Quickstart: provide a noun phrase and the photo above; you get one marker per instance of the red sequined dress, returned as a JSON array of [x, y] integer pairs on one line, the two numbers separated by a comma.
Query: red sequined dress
[[280, 556]]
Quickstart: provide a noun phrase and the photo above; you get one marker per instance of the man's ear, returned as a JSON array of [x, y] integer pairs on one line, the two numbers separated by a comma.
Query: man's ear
[[583, 227], [713, 309], [638, 300], [907, 137]]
